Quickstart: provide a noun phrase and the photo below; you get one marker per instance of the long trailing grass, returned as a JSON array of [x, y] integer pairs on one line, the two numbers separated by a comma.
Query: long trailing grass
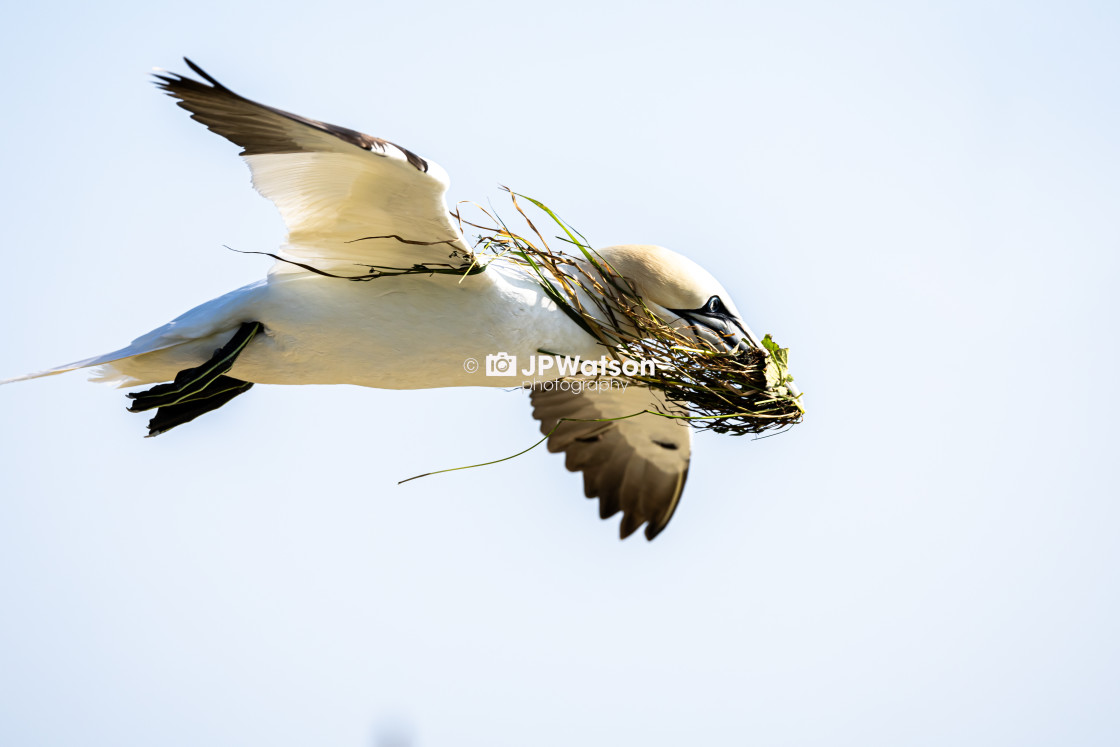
[[745, 392]]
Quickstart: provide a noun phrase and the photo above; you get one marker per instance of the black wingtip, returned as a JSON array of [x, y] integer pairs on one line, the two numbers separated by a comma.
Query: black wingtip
[[165, 78], [205, 75], [629, 525]]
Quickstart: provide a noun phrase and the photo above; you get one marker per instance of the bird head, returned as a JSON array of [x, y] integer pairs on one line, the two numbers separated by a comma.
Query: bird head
[[682, 293]]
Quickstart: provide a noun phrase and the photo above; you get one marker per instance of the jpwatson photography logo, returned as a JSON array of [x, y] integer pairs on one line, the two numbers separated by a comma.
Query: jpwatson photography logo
[[504, 364]]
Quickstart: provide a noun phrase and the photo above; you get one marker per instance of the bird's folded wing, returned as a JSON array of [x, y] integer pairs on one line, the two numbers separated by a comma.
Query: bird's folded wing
[[637, 465], [347, 198]]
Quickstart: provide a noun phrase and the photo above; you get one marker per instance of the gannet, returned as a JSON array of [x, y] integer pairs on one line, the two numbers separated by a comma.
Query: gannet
[[360, 206]]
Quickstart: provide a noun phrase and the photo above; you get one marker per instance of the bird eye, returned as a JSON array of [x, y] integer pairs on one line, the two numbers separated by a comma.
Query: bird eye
[[714, 306]]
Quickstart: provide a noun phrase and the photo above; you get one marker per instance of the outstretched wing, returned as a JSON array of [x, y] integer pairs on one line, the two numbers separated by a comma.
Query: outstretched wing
[[347, 198], [638, 465]]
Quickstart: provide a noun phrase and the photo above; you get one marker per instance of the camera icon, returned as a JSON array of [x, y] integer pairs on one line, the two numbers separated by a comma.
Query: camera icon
[[501, 364]]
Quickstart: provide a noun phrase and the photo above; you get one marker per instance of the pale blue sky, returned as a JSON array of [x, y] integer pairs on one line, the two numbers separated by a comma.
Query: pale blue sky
[[918, 199]]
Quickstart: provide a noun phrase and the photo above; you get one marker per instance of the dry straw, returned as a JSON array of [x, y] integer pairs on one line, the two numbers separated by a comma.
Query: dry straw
[[747, 392]]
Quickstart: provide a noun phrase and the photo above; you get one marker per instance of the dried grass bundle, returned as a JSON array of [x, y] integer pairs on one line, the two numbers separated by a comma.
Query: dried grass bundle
[[736, 393]]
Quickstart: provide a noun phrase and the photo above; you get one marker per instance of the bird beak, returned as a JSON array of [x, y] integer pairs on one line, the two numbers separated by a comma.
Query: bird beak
[[724, 332]]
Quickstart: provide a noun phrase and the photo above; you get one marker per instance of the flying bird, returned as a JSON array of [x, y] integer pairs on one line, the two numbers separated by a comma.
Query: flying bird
[[351, 200]]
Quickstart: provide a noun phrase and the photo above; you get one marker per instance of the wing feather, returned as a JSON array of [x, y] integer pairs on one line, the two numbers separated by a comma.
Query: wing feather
[[638, 465], [347, 198]]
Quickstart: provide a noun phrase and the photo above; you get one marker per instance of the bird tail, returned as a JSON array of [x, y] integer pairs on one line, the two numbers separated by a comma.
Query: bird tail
[[181, 343], [108, 374]]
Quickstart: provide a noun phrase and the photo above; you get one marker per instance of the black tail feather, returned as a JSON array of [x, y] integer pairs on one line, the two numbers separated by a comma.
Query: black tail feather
[[196, 391], [189, 383], [217, 394]]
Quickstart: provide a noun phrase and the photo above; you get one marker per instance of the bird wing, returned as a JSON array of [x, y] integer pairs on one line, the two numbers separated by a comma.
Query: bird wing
[[347, 198], [638, 465]]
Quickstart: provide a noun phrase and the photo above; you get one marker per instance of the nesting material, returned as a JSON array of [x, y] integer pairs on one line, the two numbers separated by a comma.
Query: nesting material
[[747, 392]]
